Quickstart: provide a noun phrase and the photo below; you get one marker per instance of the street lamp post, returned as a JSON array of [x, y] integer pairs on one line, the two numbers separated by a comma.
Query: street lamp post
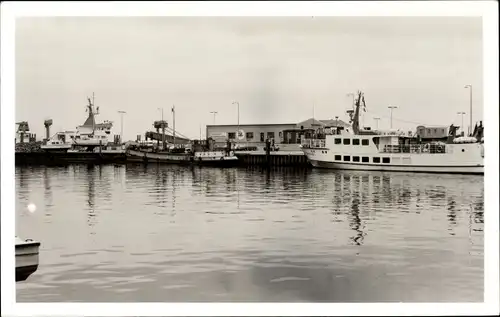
[[214, 113], [121, 112], [376, 122], [470, 104], [238, 131], [392, 107]]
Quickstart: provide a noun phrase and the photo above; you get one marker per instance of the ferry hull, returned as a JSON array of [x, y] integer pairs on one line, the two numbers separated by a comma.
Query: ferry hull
[[399, 168]]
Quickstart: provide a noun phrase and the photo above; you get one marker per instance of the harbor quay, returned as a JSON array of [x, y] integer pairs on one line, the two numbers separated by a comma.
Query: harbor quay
[[251, 144]]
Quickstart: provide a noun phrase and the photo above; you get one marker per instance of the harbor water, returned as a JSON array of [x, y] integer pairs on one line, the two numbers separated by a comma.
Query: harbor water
[[162, 233]]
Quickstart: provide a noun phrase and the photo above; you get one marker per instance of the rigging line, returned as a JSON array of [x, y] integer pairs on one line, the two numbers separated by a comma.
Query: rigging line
[[402, 120]]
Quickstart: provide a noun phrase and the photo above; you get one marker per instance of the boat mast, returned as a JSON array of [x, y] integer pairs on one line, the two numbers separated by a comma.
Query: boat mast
[[173, 112], [93, 121], [354, 114]]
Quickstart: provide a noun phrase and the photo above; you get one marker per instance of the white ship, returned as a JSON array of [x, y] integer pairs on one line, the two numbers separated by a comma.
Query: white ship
[[86, 137], [26, 258], [393, 150]]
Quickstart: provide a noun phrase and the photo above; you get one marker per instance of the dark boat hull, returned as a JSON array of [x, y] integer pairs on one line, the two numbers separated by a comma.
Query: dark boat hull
[[53, 158], [179, 158]]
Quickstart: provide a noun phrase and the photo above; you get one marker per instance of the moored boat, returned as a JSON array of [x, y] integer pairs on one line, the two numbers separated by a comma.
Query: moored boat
[[394, 151], [26, 258], [178, 150], [205, 158], [87, 137]]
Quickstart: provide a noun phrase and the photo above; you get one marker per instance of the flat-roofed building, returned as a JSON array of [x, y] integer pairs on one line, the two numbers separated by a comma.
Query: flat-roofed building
[[249, 134], [255, 135]]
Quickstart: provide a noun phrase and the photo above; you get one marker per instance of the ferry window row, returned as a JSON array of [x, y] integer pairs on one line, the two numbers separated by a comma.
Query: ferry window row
[[364, 159], [354, 141]]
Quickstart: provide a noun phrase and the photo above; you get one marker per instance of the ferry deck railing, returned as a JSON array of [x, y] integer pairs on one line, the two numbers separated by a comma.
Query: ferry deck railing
[[416, 148]]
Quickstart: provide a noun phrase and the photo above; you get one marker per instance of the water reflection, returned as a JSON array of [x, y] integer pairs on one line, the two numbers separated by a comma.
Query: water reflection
[[91, 212], [253, 234], [356, 223]]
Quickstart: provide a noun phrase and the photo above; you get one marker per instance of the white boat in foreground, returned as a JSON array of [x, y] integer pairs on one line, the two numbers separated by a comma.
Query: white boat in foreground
[[394, 151], [26, 258]]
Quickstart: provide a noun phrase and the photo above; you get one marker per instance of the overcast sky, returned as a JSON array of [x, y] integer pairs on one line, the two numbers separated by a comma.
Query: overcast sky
[[277, 68]]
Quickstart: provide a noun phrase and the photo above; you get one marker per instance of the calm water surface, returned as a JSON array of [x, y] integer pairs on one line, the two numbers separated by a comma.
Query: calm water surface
[[170, 234]]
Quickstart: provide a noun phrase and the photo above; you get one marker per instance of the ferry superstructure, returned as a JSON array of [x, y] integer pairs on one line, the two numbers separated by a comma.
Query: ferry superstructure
[[393, 151]]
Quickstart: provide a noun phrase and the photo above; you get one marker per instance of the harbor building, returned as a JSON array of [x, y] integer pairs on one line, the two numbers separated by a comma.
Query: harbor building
[[287, 136], [434, 133]]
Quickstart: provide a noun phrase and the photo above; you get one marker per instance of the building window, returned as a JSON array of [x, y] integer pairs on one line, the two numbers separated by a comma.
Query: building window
[[355, 141], [231, 135], [386, 160], [338, 141], [355, 158], [338, 157], [347, 141], [347, 158], [365, 142], [262, 137], [365, 159], [270, 135], [249, 135], [376, 160], [280, 134]]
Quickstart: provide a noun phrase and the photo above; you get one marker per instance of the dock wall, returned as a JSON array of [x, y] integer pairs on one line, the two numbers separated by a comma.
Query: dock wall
[[251, 158], [42, 158], [295, 159]]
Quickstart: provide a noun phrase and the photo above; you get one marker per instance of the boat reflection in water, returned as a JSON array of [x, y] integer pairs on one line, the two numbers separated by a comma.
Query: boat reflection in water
[[171, 233]]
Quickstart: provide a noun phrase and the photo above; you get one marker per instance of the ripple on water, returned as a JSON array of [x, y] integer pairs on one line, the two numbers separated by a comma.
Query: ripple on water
[[170, 233]]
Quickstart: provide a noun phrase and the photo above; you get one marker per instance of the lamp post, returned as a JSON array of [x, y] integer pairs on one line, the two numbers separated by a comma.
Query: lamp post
[[462, 114], [376, 122], [392, 107], [121, 112], [470, 105], [238, 131], [214, 113]]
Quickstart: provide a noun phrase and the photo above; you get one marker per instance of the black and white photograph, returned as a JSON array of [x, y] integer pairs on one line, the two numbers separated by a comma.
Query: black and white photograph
[[250, 158]]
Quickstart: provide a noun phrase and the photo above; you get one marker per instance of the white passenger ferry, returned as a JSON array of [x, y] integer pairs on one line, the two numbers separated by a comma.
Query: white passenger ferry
[[394, 151]]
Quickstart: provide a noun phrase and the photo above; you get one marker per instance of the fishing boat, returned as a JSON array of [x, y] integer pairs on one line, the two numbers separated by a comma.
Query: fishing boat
[[359, 149], [26, 258], [171, 152], [87, 137]]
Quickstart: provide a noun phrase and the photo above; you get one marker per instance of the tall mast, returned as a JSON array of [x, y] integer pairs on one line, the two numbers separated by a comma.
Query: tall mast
[[173, 112], [93, 117]]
